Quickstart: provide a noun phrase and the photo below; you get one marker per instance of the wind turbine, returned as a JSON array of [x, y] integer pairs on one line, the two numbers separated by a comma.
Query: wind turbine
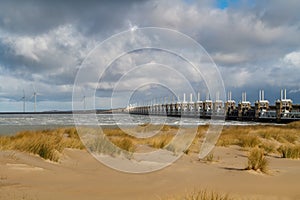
[[34, 96], [83, 99], [24, 100]]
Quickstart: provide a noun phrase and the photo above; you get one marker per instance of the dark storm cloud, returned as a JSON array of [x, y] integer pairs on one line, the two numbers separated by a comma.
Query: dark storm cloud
[[35, 17], [28, 25], [278, 12]]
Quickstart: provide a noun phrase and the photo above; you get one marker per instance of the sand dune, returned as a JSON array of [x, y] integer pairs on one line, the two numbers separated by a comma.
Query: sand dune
[[79, 176]]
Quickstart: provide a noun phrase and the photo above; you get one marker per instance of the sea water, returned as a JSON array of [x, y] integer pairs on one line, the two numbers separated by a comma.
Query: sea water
[[12, 123]]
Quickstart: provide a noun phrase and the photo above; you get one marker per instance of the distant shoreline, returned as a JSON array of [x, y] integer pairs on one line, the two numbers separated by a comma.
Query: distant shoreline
[[58, 112]]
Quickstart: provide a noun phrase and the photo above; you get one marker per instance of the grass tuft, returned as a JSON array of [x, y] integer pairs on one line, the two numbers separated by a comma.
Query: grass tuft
[[209, 157], [290, 151], [125, 144], [160, 141], [268, 147], [295, 124], [257, 160], [202, 195], [248, 141]]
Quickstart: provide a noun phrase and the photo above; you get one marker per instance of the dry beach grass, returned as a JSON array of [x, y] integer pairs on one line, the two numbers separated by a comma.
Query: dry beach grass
[[49, 144], [202, 195], [268, 150]]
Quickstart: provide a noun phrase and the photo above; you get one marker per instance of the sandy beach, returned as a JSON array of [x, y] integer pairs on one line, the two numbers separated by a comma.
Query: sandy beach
[[79, 176], [150, 100]]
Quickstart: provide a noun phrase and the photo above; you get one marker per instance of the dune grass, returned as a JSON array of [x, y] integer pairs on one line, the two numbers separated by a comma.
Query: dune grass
[[209, 158], [294, 125], [260, 141], [125, 138], [257, 160], [248, 140], [202, 195], [124, 143], [160, 141], [290, 151], [267, 137], [48, 144], [269, 147]]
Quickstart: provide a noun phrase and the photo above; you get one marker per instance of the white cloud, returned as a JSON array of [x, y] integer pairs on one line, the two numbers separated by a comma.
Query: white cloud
[[295, 90], [51, 57], [24, 46], [293, 58], [237, 77]]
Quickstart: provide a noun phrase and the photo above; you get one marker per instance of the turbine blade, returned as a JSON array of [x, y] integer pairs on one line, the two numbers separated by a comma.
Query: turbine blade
[[33, 87]]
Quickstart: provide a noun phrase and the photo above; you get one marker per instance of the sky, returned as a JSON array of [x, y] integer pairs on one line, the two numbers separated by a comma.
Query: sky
[[254, 43]]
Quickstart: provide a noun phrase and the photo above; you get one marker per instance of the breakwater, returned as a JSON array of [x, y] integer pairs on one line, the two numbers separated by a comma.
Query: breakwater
[[283, 111]]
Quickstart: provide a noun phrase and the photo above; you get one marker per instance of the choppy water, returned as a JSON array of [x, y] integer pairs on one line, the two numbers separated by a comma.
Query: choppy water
[[11, 123]]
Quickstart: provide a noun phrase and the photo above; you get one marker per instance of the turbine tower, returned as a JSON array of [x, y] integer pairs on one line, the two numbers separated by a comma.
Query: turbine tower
[[34, 96], [24, 100], [83, 99]]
